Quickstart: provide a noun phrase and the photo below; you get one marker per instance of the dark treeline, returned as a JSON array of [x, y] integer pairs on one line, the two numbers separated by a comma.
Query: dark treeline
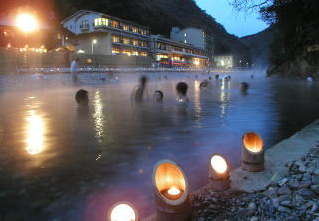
[[296, 32], [294, 35]]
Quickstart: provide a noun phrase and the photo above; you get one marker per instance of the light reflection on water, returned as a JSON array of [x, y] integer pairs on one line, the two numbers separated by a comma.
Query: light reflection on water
[[98, 115], [35, 133]]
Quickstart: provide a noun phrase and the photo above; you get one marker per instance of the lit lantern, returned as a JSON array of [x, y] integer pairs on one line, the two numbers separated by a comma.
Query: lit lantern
[[122, 211], [252, 153], [171, 191], [219, 172]]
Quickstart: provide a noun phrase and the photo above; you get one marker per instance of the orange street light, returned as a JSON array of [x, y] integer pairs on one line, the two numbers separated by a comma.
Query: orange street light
[[26, 22]]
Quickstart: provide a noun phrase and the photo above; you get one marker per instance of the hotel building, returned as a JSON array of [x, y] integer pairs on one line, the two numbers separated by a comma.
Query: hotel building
[[167, 51], [98, 33], [196, 37]]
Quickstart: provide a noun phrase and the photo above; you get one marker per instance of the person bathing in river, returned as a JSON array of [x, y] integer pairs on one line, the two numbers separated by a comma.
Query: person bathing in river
[[158, 96], [82, 97], [139, 90], [74, 69], [181, 89], [244, 87]]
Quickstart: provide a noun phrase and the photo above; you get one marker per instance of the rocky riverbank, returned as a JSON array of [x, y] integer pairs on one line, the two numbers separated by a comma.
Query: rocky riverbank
[[294, 198]]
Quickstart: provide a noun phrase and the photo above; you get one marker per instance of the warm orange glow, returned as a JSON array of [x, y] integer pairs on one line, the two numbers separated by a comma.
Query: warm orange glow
[[218, 163], [35, 134], [253, 142], [174, 191], [169, 175], [26, 22], [123, 212]]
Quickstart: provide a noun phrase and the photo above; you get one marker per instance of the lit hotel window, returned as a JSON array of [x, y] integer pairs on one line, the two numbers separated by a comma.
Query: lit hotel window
[[115, 38], [144, 54], [126, 27], [101, 21], [116, 51], [115, 24], [144, 44], [134, 29], [135, 42], [126, 41], [135, 53]]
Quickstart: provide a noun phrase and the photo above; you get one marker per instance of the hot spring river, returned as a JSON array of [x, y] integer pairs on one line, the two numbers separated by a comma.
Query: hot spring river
[[62, 162]]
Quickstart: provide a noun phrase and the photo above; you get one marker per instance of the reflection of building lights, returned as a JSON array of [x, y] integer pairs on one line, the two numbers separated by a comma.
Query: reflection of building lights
[[122, 212], [98, 115], [219, 172], [26, 22], [252, 152], [80, 51], [35, 134]]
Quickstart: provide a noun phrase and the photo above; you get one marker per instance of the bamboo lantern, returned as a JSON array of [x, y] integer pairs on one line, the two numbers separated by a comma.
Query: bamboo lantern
[[171, 189], [219, 172], [252, 153], [122, 211]]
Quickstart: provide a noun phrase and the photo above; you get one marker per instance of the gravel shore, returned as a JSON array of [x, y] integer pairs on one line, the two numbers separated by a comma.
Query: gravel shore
[[294, 198]]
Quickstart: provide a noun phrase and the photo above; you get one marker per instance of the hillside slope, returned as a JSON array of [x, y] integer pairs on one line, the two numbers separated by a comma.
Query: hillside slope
[[259, 46]]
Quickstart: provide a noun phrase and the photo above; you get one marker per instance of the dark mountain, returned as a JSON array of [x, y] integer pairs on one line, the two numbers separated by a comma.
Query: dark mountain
[[160, 15], [259, 46]]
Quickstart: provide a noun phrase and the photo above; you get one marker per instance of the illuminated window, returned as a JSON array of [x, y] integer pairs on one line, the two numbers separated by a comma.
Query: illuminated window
[[114, 24], [144, 54], [134, 29], [135, 42], [143, 43], [101, 21], [135, 53], [116, 51], [58, 36], [126, 27], [115, 38], [126, 41], [127, 52]]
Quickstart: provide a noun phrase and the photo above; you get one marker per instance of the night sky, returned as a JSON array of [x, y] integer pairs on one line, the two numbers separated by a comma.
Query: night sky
[[237, 23]]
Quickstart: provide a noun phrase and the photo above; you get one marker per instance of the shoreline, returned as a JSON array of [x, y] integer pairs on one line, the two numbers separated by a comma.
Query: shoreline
[[287, 190]]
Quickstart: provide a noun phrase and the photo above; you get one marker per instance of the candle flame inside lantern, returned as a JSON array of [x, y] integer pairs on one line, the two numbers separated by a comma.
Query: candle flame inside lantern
[[218, 163], [174, 191], [123, 212]]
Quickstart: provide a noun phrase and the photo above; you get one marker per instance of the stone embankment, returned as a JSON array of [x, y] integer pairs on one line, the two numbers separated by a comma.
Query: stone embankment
[[293, 198]]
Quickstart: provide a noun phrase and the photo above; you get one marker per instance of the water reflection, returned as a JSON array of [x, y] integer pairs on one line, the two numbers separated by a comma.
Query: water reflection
[[197, 101], [98, 115], [35, 133], [224, 97]]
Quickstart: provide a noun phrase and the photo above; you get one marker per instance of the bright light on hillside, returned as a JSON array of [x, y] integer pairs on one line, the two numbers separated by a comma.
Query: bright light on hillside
[[27, 23]]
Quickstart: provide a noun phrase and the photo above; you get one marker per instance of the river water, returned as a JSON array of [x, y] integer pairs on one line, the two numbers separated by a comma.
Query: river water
[[59, 161]]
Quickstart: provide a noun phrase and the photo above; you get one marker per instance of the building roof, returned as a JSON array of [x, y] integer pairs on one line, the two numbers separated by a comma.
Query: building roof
[[160, 37], [82, 12]]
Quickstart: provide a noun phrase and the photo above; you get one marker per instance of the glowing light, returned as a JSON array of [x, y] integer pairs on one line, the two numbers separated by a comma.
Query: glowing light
[[80, 51], [218, 163], [94, 41], [174, 191], [35, 134], [123, 212], [253, 142], [27, 23]]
